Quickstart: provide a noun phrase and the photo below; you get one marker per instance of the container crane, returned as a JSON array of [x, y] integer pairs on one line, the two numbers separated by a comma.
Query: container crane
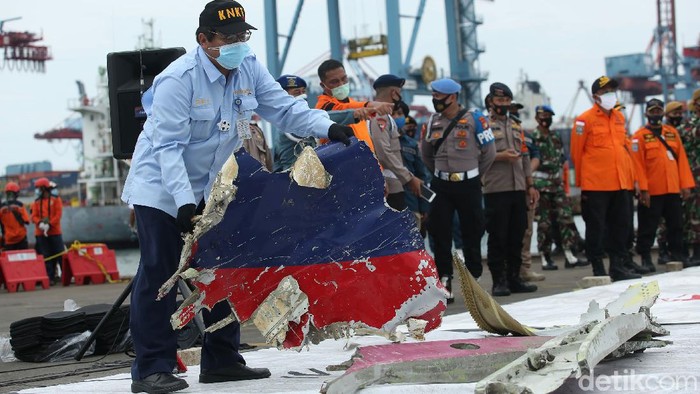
[[20, 53], [463, 48], [656, 71]]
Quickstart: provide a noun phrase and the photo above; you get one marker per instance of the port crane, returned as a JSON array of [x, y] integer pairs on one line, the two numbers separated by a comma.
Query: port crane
[[20, 51]]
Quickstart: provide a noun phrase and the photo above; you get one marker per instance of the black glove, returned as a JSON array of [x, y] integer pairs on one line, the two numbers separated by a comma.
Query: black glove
[[340, 133], [184, 217]]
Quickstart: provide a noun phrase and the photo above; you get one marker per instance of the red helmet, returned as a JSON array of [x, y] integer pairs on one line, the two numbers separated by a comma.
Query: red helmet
[[42, 182], [12, 187]]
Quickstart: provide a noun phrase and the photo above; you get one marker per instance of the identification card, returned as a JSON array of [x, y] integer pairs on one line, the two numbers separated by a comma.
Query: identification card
[[670, 155], [243, 128]]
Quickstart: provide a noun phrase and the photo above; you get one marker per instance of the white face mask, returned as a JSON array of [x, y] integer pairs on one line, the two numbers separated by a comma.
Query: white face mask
[[300, 97], [608, 100], [341, 92]]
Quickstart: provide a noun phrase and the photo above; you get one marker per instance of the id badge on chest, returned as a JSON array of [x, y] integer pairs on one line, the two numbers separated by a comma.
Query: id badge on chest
[[669, 155], [243, 128]]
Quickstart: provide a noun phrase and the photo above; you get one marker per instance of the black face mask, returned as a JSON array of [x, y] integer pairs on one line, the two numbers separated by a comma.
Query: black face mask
[[546, 122], [441, 104], [674, 121], [501, 110], [655, 120]]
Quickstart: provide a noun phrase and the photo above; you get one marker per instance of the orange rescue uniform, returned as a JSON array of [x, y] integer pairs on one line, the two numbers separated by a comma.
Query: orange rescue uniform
[[50, 208], [13, 216], [330, 103], [601, 151], [657, 170]]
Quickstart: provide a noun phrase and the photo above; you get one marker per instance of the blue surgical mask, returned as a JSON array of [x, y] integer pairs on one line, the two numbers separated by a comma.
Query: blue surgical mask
[[400, 122], [231, 56], [341, 92]]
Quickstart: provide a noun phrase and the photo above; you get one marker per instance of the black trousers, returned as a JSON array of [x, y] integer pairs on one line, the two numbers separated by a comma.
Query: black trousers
[[50, 246], [23, 244], [155, 341], [669, 207], [506, 222], [464, 198], [608, 223]]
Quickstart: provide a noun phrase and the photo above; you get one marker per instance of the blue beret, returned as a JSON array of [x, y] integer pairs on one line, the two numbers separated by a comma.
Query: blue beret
[[544, 108], [388, 80], [445, 86], [291, 81]]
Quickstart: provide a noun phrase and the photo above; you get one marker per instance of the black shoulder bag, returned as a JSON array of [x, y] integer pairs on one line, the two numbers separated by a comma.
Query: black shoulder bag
[[663, 141]]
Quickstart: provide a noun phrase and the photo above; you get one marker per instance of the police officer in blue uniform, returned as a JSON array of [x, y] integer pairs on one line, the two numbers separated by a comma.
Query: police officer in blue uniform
[[200, 111], [457, 147]]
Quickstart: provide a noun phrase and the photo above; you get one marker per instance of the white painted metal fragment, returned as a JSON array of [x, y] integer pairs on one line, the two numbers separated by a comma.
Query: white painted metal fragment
[[284, 304], [308, 170], [222, 193]]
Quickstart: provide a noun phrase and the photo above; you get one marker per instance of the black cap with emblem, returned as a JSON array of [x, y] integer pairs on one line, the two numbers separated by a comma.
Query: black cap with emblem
[[225, 17], [498, 89], [655, 103], [603, 82]]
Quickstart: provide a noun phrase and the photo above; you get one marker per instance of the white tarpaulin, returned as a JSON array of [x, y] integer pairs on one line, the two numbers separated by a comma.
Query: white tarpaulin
[[673, 369]]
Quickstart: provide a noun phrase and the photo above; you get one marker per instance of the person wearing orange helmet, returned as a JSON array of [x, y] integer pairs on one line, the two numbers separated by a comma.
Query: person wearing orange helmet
[[13, 218], [47, 210]]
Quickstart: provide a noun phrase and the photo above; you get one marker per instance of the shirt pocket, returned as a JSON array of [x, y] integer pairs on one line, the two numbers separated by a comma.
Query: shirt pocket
[[654, 150], [246, 107], [599, 136], [201, 120]]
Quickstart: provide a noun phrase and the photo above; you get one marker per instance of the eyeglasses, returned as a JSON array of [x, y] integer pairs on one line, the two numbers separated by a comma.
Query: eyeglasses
[[234, 38]]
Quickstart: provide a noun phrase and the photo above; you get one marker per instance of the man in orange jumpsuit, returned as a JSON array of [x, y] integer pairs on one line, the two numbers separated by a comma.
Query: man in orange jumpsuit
[[13, 218], [602, 157], [336, 92], [46, 216], [664, 178]]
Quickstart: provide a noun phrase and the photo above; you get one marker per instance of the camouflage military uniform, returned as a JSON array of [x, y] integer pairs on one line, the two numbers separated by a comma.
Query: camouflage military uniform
[[554, 204], [690, 133]]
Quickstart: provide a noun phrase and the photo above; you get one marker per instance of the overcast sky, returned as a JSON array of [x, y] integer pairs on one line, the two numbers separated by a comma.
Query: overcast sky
[[554, 42]]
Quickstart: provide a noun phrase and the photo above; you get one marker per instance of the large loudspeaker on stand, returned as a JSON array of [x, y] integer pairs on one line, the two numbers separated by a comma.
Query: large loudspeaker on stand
[[130, 74]]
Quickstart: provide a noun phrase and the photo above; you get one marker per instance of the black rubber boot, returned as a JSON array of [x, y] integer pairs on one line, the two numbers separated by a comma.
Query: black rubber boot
[[619, 271], [695, 259], [647, 263], [632, 266], [517, 285], [664, 256], [447, 282], [500, 287], [598, 267], [548, 263]]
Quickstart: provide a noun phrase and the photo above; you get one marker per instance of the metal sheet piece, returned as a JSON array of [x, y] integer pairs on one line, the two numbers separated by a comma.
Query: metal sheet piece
[[335, 238]]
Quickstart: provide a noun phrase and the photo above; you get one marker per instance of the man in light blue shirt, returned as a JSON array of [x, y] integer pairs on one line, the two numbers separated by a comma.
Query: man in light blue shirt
[[198, 110]]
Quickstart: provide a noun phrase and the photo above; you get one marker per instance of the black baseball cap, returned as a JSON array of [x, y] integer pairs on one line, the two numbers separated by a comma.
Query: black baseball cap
[[225, 17], [603, 82], [499, 89], [654, 103]]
